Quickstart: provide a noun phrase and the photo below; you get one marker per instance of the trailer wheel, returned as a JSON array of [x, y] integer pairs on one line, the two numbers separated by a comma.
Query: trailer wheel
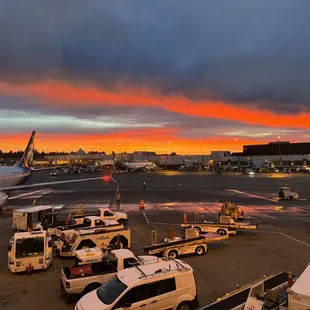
[[173, 254], [221, 232], [200, 250], [198, 229]]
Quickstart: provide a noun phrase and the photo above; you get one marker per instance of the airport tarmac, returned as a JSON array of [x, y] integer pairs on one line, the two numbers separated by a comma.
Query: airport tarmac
[[281, 243]]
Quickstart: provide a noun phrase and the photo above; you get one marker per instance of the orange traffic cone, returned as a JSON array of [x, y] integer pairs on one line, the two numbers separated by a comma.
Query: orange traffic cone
[[184, 219], [290, 281]]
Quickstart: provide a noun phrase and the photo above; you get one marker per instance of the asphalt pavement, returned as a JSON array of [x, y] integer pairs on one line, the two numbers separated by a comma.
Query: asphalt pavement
[[281, 243]]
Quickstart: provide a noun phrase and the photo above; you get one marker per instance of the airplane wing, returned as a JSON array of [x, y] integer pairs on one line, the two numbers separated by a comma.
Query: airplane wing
[[44, 168], [50, 183]]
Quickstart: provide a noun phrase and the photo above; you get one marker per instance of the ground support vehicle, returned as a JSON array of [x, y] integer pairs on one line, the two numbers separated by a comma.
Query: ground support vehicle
[[226, 226], [26, 219], [192, 243], [94, 268], [90, 222], [266, 293], [299, 293], [168, 284], [104, 214], [232, 210], [28, 251], [285, 193], [90, 238]]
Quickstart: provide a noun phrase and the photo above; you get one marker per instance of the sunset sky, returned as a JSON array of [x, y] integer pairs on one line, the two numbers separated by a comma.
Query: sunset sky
[[134, 75]]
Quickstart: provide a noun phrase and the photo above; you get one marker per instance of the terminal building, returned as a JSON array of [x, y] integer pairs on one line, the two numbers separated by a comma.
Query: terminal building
[[274, 154], [80, 157]]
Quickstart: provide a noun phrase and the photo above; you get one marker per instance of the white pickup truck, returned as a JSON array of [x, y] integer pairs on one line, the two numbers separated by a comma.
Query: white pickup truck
[[88, 222], [104, 214], [94, 268]]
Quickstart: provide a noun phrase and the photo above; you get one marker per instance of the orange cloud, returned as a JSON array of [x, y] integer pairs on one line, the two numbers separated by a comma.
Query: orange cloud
[[59, 93]]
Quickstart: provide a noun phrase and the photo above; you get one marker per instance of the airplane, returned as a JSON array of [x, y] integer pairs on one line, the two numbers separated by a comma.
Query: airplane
[[12, 177], [136, 166]]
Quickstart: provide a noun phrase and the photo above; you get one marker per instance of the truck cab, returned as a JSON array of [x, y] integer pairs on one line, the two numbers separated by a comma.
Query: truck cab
[[28, 251]]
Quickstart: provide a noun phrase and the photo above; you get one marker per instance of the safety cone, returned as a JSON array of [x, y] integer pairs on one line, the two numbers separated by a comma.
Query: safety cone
[[141, 204], [185, 219], [290, 281]]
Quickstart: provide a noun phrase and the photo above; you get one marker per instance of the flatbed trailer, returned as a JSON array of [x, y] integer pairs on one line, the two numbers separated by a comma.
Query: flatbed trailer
[[226, 226], [197, 245]]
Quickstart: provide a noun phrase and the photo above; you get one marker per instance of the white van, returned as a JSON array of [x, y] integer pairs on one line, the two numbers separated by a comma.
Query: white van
[[169, 284], [28, 251]]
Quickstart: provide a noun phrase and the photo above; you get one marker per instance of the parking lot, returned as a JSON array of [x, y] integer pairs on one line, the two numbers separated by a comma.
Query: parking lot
[[281, 243]]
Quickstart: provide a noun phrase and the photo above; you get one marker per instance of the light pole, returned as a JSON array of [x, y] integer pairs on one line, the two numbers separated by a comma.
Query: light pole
[[145, 157], [117, 188], [170, 147], [202, 161], [119, 149], [280, 161]]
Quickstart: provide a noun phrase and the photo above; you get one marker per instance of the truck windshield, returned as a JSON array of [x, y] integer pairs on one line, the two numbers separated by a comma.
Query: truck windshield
[[29, 247], [111, 290]]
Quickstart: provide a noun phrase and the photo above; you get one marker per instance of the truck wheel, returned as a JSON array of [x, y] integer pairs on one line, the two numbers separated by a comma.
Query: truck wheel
[[122, 243], [291, 198], [121, 222], [200, 250], [91, 287], [173, 254], [184, 306], [198, 229], [221, 232]]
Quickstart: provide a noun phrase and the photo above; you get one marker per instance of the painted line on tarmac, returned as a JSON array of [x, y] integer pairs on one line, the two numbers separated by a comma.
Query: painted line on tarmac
[[253, 218], [147, 220], [285, 235], [297, 240], [26, 194], [137, 230], [251, 195]]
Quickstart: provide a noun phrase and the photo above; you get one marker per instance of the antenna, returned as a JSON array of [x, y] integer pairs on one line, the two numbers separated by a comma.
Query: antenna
[[143, 274]]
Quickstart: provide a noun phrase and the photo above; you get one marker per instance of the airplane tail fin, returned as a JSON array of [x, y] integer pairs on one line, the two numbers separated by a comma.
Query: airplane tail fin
[[28, 153]]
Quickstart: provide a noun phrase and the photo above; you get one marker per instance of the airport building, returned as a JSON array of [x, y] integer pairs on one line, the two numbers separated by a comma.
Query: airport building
[[80, 157], [274, 154]]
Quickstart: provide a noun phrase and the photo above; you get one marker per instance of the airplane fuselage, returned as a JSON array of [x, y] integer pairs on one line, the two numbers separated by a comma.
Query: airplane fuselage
[[13, 175], [136, 165]]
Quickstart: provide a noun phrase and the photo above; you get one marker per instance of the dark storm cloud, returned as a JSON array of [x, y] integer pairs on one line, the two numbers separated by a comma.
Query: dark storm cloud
[[240, 50]]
